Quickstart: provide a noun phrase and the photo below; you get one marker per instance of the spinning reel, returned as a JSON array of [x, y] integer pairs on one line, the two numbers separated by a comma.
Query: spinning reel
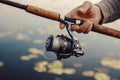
[[63, 46]]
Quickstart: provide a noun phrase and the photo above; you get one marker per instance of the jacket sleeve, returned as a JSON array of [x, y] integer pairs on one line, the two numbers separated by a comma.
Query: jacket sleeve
[[110, 10]]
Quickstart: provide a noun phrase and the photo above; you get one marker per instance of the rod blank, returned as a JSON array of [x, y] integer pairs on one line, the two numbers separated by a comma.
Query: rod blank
[[11, 3]]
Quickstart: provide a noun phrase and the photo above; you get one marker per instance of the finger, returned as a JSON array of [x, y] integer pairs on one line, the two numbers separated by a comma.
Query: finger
[[88, 29], [82, 28], [75, 27], [61, 25], [85, 7], [78, 28]]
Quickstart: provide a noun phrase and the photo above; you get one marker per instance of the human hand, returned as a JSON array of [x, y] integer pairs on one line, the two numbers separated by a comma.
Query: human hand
[[87, 12]]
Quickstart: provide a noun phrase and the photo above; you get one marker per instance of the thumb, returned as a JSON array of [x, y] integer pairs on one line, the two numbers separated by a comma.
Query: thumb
[[61, 25], [85, 7]]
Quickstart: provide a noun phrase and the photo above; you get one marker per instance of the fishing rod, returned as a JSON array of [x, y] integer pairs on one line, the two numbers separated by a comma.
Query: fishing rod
[[63, 46], [58, 17]]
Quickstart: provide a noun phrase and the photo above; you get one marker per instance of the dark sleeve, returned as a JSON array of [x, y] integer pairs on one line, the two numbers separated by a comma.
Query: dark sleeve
[[110, 10]]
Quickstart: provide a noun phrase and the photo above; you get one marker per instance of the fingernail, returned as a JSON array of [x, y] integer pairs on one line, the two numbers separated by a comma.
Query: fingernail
[[73, 28], [61, 26], [81, 9]]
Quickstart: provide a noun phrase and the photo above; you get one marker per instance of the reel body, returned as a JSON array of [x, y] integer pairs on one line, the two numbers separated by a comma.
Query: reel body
[[63, 46]]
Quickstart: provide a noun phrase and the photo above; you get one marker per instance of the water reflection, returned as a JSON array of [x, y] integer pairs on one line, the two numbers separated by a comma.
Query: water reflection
[[111, 63], [102, 76], [88, 73], [55, 67], [1, 64], [38, 41]]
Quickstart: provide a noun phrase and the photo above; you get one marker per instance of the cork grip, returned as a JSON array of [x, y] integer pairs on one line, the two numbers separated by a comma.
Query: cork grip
[[43, 13], [106, 31]]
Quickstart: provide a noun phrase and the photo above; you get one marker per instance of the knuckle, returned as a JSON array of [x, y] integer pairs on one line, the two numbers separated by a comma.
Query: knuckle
[[88, 2]]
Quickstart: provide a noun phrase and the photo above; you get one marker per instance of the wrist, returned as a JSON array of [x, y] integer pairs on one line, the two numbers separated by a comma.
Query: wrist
[[100, 15]]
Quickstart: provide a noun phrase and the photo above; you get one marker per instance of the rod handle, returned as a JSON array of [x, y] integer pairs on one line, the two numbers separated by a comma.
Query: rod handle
[[106, 31], [43, 13]]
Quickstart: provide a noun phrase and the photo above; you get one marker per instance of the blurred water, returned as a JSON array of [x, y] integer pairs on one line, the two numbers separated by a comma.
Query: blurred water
[[96, 47]]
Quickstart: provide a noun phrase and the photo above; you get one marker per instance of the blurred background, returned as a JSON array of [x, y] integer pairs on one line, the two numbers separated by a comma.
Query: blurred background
[[22, 41]]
